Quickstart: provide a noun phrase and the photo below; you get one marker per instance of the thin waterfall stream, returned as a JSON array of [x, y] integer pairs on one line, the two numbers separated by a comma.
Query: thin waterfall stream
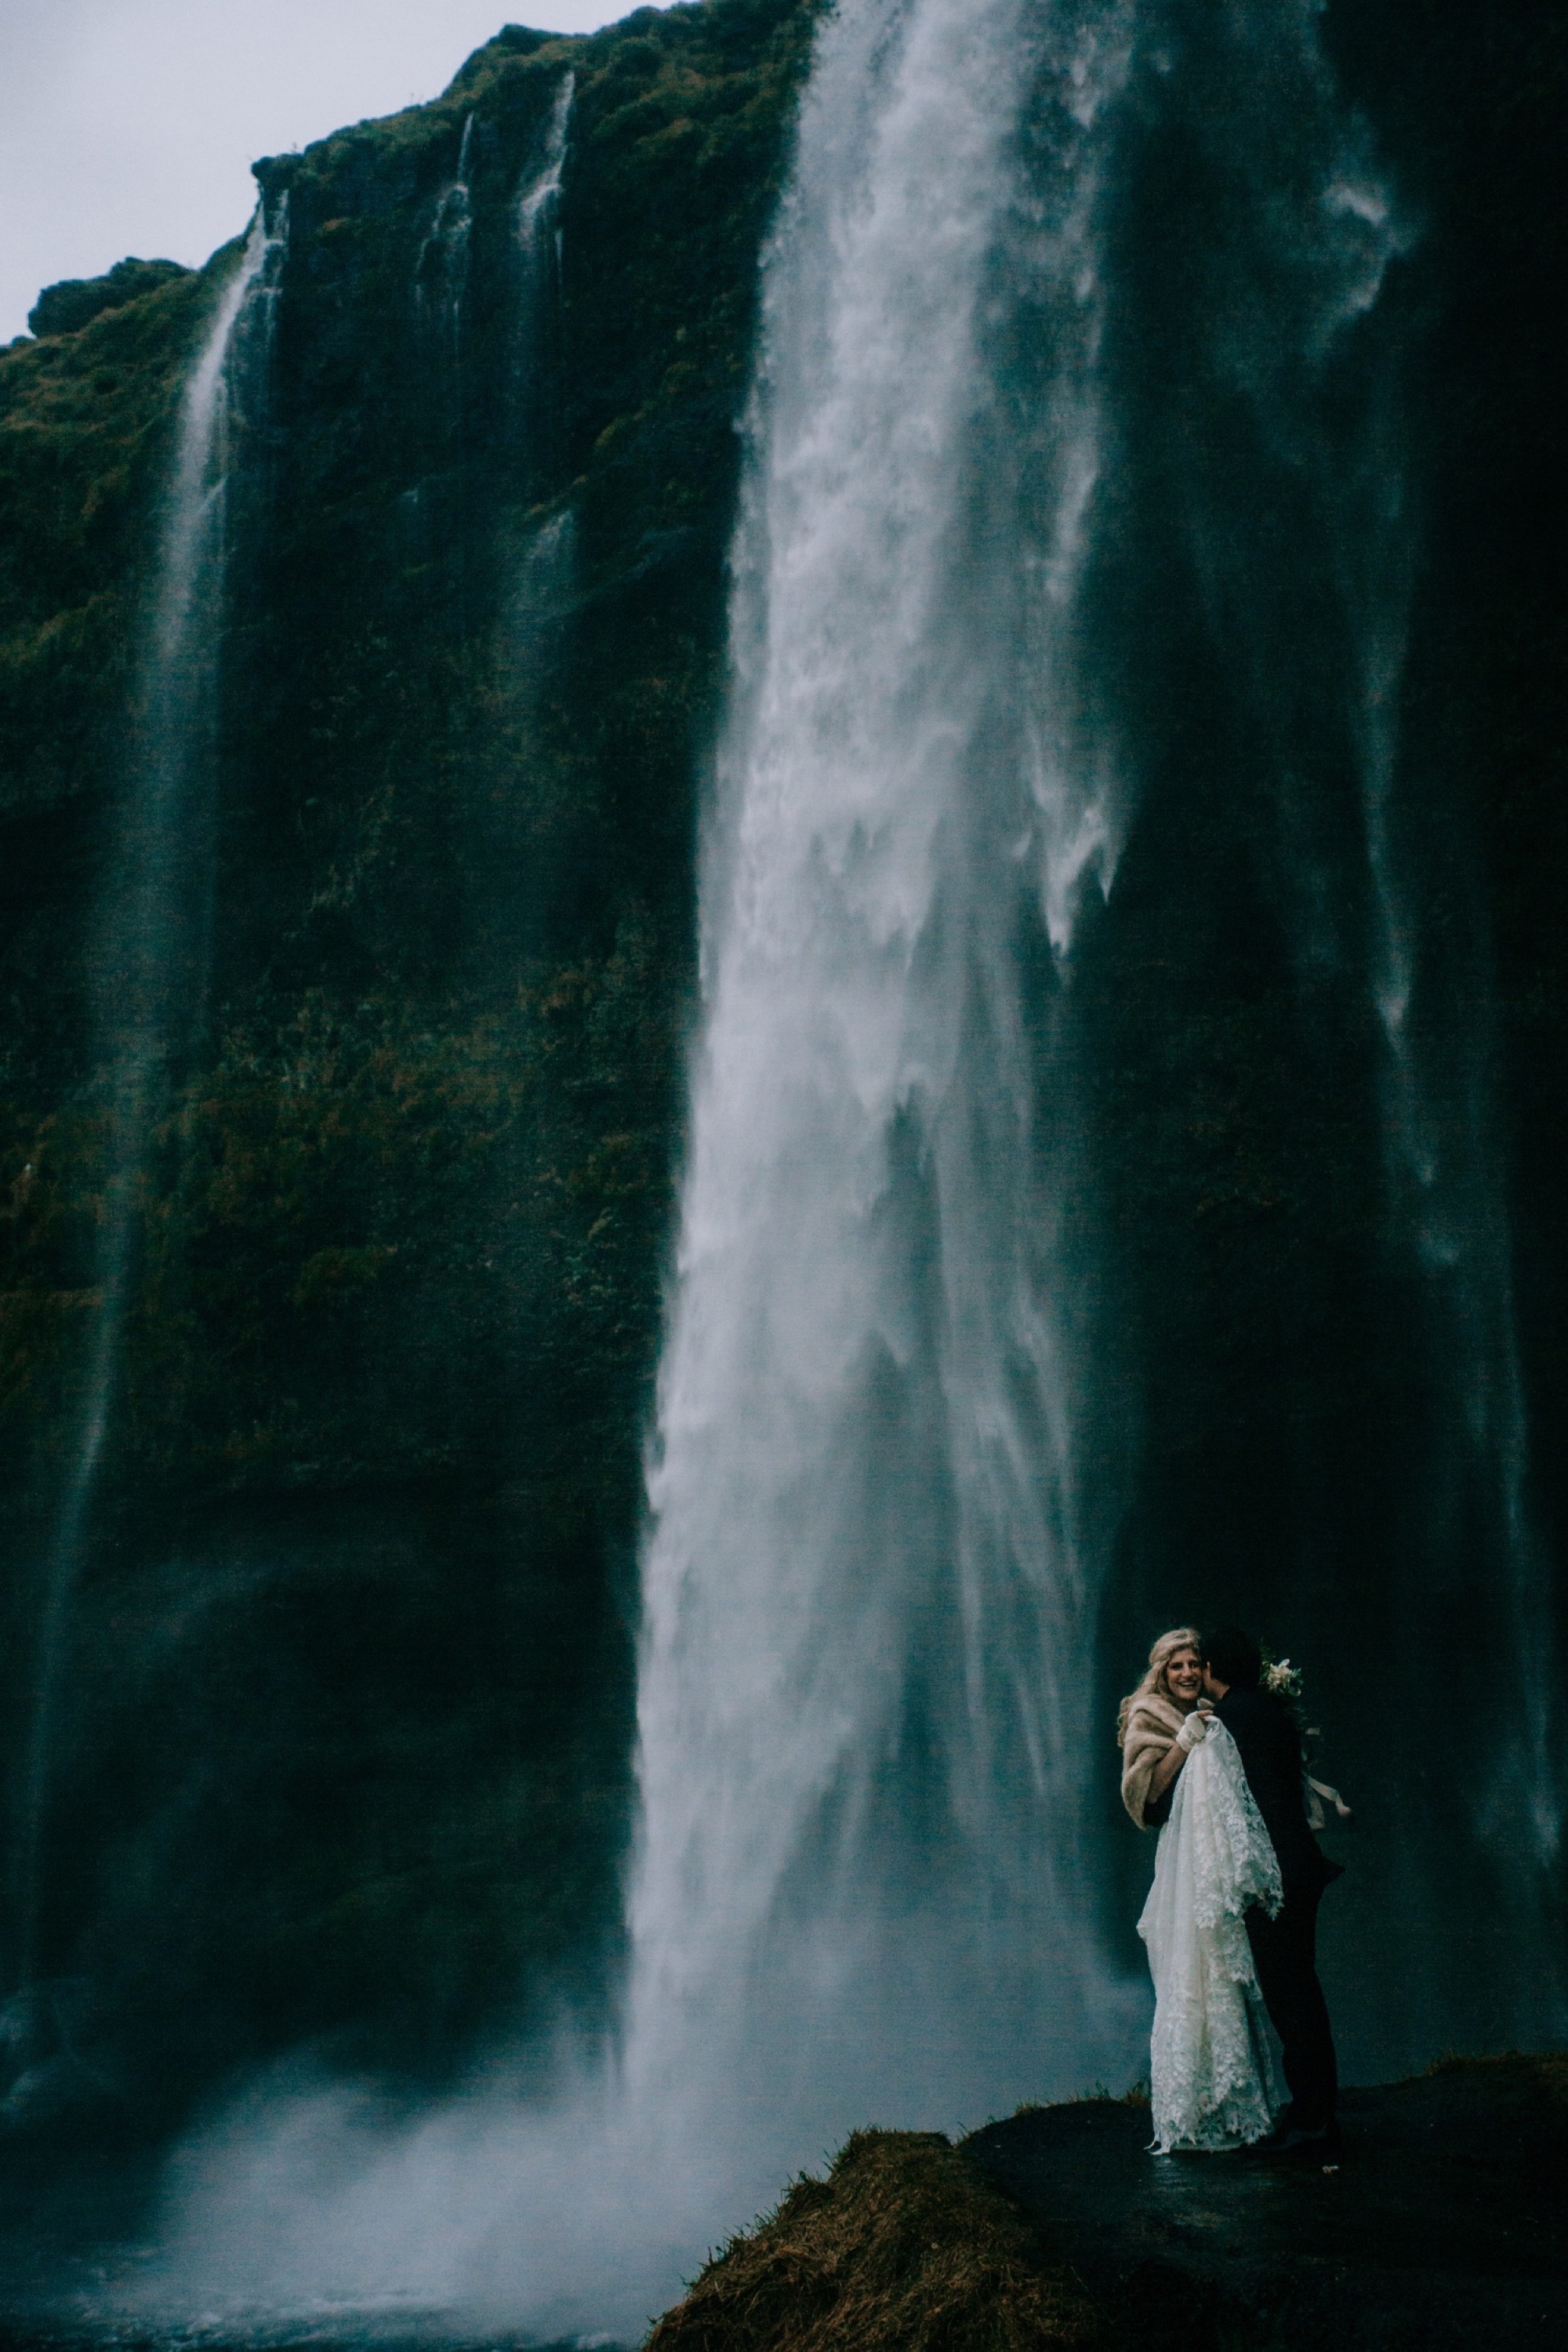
[[156, 921], [539, 198], [441, 268]]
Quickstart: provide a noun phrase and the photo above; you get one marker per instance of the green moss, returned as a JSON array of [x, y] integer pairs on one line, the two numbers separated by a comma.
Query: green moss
[[65, 307], [401, 1224], [85, 423]]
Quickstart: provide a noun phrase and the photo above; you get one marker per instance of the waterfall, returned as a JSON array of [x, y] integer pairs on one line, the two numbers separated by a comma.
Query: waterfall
[[881, 1497], [152, 963], [889, 1463], [537, 349], [539, 199], [441, 272], [441, 266], [893, 1438]]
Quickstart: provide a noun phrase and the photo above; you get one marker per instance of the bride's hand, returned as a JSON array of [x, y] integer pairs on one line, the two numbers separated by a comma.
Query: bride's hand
[[1194, 1728]]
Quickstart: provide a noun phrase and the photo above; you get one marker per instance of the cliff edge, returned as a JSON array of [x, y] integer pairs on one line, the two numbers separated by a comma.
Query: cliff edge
[[1443, 2224]]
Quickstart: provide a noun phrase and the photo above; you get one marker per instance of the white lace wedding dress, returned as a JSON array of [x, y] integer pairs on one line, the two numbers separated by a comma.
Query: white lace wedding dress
[[1212, 2082]]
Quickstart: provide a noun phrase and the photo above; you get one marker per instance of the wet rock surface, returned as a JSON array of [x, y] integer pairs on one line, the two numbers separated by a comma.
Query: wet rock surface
[[1444, 2223]]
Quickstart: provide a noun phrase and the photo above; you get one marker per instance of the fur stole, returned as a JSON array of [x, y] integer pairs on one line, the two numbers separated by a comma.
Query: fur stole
[[1151, 1725]]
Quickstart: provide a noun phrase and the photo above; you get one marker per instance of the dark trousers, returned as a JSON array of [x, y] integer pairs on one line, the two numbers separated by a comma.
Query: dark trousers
[[1284, 1951]]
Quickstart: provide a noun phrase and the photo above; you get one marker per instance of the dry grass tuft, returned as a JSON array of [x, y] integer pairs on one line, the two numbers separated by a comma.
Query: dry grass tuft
[[1544, 2070], [903, 2248]]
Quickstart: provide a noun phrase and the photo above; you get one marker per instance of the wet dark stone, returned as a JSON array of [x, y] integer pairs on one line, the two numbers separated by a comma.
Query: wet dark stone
[[1444, 2222]]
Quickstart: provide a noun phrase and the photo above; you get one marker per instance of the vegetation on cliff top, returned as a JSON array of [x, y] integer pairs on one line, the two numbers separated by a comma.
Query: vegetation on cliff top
[[69, 304]]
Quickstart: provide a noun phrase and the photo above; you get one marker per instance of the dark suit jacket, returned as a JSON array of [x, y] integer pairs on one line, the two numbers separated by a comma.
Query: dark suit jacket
[[1265, 1731]]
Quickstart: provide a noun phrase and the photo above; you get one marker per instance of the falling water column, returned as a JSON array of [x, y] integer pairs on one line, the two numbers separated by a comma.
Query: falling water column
[[870, 1584], [153, 954]]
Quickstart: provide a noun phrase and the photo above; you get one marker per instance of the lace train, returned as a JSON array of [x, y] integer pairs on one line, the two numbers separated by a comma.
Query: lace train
[[1211, 2080]]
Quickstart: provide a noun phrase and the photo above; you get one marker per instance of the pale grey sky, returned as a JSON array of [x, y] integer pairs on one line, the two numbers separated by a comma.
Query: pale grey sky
[[130, 126]]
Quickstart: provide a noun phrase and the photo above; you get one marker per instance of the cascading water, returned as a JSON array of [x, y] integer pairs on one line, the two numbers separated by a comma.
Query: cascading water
[[881, 1499], [539, 200], [154, 954], [441, 268], [886, 1478], [889, 1466], [892, 1448], [536, 331]]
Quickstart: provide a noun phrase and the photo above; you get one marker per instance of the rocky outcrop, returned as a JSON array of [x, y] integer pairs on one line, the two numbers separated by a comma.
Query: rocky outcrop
[[902, 2247], [1441, 2224], [71, 304]]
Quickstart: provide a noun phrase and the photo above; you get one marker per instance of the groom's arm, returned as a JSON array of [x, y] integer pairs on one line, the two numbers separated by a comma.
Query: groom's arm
[[1270, 1749]]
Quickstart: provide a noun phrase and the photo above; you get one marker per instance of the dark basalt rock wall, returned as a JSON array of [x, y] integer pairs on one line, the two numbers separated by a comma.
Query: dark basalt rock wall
[[346, 1732], [1289, 1397], [346, 1739]]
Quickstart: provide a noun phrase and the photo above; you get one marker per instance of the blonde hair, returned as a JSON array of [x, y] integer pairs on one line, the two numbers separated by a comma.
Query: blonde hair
[[1153, 1684]]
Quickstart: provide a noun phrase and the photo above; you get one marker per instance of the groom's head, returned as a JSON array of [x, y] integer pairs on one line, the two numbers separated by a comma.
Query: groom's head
[[1231, 1659]]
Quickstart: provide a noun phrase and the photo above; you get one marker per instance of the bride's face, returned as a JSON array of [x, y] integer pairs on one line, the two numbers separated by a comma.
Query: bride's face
[[1185, 1677]]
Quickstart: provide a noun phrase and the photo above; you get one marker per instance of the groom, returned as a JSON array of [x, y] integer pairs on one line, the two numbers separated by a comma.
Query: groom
[[1283, 1948]]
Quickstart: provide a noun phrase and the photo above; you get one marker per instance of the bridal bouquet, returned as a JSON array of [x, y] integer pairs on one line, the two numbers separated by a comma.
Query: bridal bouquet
[[1285, 1681]]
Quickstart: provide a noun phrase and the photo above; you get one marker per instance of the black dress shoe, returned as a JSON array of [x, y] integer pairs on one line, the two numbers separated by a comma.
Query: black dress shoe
[[1289, 2138]]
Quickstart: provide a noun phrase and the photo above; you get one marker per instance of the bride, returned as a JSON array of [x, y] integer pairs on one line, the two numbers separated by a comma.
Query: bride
[[1211, 2075]]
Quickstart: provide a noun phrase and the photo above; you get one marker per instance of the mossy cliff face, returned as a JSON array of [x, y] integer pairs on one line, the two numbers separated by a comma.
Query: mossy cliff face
[[342, 1742], [345, 1734]]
